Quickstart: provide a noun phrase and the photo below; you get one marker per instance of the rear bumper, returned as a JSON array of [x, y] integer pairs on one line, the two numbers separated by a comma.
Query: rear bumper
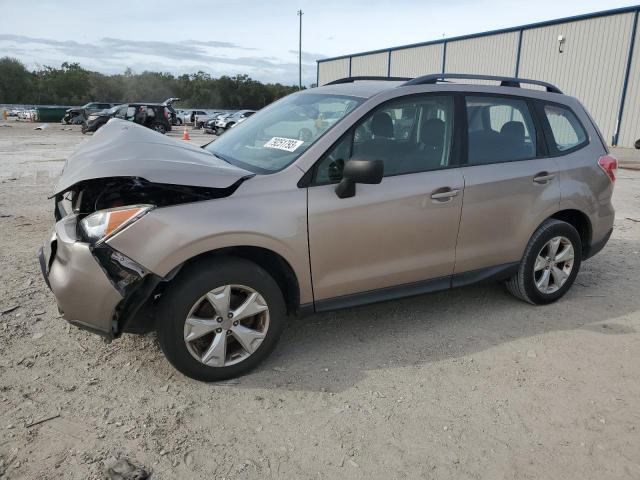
[[85, 296], [598, 245]]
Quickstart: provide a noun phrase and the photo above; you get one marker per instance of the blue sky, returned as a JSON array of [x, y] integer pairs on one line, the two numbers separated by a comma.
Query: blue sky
[[259, 38]]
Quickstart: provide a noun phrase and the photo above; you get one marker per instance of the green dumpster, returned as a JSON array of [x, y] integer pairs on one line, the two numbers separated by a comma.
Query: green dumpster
[[51, 114]]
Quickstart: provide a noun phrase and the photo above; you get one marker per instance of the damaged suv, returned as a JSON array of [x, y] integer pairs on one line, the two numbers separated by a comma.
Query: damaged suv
[[413, 186]]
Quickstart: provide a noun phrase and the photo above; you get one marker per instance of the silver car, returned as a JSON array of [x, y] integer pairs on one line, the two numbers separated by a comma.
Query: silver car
[[347, 194]]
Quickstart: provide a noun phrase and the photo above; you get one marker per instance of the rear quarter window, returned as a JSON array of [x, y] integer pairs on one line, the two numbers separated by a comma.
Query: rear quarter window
[[567, 133]]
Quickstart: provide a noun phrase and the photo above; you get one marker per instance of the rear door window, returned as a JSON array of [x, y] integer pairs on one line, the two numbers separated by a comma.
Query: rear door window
[[500, 129], [566, 129]]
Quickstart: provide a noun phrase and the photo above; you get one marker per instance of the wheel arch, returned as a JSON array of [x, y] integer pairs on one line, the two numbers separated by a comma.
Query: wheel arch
[[272, 262], [580, 221], [275, 264]]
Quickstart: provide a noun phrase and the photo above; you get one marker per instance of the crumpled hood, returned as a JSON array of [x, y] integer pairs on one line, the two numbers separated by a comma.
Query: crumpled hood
[[126, 149]]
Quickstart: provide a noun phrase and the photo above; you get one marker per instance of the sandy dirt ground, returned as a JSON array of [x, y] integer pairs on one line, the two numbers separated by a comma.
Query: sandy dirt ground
[[465, 384]]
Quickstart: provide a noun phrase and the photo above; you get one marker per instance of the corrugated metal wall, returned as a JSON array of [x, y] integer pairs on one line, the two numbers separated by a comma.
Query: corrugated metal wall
[[412, 62], [373, 64], [491, 55], [591, 67], [630, 125], [332, 70]]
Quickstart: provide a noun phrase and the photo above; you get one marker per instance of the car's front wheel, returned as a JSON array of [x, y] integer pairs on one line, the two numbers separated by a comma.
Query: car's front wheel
[[219, 319], [549, 265]]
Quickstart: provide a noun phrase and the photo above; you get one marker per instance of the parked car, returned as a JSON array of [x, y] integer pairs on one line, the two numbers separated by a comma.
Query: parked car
[[199, 117], [98, 119], [240, 120], [151, 115], [210, 126], [214, 247], [228, 121], [28, 114], [79, 115]]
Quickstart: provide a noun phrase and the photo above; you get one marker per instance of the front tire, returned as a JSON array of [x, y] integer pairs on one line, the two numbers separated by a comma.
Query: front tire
[[220, 318], [549, 265]]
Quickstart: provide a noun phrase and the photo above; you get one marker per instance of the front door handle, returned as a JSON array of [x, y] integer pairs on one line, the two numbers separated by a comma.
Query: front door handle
[[543, 177], [445, 194]]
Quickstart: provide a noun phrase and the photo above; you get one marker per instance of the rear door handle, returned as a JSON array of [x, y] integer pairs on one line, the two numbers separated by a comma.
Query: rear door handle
[[445, 194], [543, 177]]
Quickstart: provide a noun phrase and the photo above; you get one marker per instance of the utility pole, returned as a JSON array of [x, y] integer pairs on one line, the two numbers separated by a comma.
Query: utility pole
[[300, 13]]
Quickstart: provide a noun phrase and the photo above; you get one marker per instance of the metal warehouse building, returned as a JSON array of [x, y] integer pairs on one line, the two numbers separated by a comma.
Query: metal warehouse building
[[594, 57]]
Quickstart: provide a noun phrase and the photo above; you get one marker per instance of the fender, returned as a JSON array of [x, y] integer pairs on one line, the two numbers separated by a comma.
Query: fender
[[167, 237]]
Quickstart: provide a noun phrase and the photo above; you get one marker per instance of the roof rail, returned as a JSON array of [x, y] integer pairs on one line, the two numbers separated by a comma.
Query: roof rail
[[357, 79], [504, 81]]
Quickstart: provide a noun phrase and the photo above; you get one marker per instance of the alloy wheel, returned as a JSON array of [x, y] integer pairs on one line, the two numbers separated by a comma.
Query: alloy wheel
[[226, 325], [554, 264]]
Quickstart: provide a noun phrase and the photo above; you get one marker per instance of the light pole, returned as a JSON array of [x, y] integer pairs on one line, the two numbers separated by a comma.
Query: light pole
[[300, 13]]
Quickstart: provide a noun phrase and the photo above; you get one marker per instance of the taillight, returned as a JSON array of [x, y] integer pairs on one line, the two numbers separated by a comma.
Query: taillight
[[609, 164], [166, 113]]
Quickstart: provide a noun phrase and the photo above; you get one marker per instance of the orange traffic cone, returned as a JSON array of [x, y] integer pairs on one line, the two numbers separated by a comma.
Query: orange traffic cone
[[185, 135]]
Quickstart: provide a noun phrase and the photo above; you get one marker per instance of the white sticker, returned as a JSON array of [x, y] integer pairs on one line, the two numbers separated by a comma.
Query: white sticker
[[281, 143]]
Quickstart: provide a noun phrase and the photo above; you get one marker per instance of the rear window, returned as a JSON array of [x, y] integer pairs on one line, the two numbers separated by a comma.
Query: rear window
[[566, 129]]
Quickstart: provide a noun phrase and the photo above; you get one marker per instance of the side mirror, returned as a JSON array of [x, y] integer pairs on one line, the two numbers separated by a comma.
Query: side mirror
[[359, 171]]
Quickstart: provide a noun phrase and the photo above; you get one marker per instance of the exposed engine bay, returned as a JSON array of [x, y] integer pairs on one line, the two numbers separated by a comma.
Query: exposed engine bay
[[97, 194]]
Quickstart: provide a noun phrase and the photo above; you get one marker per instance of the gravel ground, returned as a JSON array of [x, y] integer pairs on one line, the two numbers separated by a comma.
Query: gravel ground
[[470, 383]]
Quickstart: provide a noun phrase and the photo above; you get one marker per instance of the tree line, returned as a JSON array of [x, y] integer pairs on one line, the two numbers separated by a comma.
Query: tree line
[[73, 85]]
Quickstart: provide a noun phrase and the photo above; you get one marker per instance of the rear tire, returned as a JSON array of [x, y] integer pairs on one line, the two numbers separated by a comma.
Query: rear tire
[[159, 127], [194, 284], [539, 264]]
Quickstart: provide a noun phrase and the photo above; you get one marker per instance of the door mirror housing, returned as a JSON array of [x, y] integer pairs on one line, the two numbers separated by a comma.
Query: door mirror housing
[[359, 171]]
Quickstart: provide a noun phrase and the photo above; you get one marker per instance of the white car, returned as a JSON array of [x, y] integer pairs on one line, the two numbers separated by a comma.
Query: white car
[[199, 117]]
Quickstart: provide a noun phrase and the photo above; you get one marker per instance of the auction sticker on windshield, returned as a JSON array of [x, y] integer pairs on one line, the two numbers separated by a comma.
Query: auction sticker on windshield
[[281, 143]]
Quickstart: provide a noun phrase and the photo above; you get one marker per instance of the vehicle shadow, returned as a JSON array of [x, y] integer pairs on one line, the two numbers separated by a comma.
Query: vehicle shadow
[[333, 351]]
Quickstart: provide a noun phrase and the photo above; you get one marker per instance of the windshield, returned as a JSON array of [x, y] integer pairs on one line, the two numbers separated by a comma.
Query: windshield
[[276, 136], [113, 110]]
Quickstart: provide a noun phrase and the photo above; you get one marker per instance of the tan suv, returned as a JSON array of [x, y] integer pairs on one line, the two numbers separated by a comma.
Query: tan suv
[[360, 191]]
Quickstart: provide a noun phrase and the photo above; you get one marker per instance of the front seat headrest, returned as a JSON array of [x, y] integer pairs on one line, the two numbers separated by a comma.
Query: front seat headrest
[[432, 133], [382, 125]]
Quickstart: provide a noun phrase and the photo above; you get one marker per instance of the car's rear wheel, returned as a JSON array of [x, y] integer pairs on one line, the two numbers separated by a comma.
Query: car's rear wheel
[[159, 127], [549, 265], [220, 319]]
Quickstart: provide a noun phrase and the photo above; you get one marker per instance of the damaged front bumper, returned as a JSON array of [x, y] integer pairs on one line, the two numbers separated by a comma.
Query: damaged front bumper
[[96, 288]]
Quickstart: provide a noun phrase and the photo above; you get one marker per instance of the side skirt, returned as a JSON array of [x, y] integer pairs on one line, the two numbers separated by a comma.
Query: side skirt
[[384, 294], [489, 274]]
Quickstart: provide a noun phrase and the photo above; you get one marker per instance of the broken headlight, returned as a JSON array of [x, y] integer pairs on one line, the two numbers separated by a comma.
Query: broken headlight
[[102, 224]]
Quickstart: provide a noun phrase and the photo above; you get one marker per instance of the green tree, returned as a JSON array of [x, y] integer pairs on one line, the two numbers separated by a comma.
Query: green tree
[[16, 82], [73, 85]]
